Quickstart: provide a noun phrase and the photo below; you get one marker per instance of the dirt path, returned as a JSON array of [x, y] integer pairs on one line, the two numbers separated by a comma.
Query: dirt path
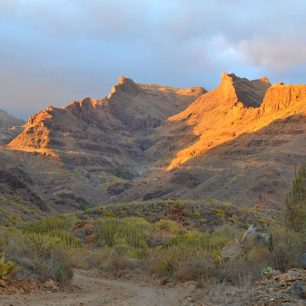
[[96, 291]]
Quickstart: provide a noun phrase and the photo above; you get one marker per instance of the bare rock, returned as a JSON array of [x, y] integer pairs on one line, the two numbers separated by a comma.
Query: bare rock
[[299, 289]]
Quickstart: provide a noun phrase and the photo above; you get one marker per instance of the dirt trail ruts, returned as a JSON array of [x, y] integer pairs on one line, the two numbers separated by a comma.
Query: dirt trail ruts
[[96, 291]]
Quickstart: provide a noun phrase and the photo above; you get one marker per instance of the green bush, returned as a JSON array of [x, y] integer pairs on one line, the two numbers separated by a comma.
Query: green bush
[[174, 256], [39, 256], [7, 268], [128, 234], [47, 225], [287, 247], [106, 232], [169, 226], [53, 230], [197, 241]]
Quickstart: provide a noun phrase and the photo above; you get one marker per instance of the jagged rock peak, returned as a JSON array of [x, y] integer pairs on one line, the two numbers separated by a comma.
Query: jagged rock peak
[[265, 79], [249, 92], [125, 85]]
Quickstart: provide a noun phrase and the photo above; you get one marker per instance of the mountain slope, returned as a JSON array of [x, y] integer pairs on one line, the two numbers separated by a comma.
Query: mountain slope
[[18, 199], [10, 127]]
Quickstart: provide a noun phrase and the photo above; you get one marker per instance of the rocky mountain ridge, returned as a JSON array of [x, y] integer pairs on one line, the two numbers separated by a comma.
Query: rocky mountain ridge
[[239, 142]]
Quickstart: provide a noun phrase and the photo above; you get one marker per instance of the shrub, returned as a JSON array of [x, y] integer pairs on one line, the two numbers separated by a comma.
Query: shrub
[[53, 230], [174, 257], [197, 268], [47, 225], [169, 226], [296, 202], [106, 232], [57, 266], [197, 241], [135, 231], [287, 246], [129, 234], [247, 267], [39, 256], [7, 268]]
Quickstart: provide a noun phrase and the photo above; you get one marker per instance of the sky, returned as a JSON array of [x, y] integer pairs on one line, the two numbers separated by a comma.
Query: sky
[[55, 52]]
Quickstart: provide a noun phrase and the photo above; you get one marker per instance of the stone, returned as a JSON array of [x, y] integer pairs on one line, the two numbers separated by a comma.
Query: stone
[[302, 261], [2, 283], [299, 289]]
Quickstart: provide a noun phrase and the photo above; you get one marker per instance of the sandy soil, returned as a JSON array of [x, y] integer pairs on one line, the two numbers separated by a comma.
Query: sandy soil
[[96, 291]]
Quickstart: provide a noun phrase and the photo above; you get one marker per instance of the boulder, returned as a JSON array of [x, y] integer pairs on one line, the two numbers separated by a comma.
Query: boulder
[[299, 289], [302, 261], [2, 283]]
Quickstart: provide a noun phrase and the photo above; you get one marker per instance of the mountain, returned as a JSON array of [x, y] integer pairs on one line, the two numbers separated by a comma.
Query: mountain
[[10, 127], [234, 147], [96, 146], [239, 142]]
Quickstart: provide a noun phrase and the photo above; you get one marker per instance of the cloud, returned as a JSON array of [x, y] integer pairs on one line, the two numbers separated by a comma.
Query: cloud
[[274, 54], [56, 51]]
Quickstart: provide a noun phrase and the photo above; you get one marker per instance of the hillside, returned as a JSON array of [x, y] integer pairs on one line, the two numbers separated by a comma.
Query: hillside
[[10, 127], [239, 142]]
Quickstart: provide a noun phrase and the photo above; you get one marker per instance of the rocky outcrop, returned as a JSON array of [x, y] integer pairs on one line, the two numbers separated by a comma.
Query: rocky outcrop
[[279, 289], [126, 86], [249, 93]]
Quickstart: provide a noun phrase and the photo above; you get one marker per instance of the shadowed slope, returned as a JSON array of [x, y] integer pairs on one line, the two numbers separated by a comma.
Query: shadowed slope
[[253, 168]]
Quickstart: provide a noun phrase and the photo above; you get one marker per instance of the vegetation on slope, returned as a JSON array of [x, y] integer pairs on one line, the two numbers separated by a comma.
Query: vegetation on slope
[[168, 239]]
